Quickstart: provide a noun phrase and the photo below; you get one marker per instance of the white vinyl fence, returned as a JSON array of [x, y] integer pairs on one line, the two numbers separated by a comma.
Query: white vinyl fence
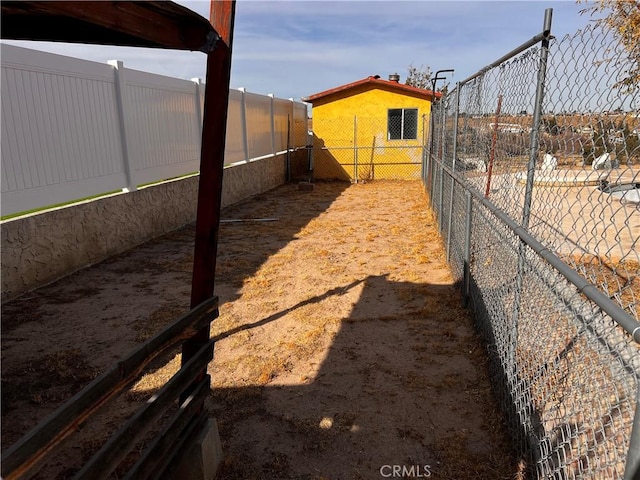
[[73, 128]]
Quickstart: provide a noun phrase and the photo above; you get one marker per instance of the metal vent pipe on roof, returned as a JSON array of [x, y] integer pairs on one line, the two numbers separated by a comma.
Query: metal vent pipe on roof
[[394, 77]]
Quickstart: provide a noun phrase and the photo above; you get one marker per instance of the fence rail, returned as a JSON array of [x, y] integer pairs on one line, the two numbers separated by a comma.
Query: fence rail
[[534, 179], [358, 148], [73, 128], [24, 455]]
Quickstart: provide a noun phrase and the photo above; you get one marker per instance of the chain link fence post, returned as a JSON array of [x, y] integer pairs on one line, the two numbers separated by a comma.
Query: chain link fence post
[[468, 221], [632, 466], [425, 140], [443, 153], [430, 157], [432, 154], [533, 157], [454, 153]]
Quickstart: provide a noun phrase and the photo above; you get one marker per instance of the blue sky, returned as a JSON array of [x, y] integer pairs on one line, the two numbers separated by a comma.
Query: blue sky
[[297, 48]]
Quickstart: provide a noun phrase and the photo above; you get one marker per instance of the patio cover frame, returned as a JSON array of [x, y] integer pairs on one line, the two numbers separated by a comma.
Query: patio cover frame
[[154, 24]]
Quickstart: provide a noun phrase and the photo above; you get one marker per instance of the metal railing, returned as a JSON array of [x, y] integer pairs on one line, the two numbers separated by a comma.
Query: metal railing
[[533, 176]]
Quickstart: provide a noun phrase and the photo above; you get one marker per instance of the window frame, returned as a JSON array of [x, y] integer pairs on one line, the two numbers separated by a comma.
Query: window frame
[[403, 125]]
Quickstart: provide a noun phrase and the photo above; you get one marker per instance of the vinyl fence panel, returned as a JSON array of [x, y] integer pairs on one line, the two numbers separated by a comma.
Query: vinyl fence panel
[[282, 116], [164, 132], [300, 127], [60, 134], [235, 147], [259, 127], [73, 128]]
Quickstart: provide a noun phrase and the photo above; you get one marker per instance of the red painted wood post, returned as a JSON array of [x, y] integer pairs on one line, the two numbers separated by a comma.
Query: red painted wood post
[[214, 128]]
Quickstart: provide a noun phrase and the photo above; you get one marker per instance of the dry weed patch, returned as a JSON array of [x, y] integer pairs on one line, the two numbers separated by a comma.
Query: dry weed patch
[[395, 258]]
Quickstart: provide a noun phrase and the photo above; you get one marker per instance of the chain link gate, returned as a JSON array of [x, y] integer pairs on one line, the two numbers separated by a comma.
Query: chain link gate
[[361, 149], [534, 174]]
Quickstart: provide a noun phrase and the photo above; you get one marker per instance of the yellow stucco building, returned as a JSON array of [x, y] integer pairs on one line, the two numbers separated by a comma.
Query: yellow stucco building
[[370, 129]]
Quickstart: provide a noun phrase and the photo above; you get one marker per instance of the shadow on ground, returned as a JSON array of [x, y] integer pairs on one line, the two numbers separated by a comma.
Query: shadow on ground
[[401, 389], [59, 337]]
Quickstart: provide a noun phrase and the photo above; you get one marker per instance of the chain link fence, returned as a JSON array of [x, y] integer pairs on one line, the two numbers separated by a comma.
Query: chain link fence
[[534, 175], [358, 148]]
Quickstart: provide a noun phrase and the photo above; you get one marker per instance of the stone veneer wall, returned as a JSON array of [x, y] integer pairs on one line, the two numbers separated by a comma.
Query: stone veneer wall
[[43, 247]]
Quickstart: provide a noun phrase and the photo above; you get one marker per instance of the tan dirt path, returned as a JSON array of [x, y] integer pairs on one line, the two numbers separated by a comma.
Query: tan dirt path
[[342, 353]]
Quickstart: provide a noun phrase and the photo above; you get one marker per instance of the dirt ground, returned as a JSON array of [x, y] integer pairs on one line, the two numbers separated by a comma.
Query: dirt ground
[[342, 348], [569, 212]]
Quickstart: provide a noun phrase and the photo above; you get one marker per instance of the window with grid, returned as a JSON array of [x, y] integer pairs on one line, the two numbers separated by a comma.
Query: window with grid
[[402, 124]]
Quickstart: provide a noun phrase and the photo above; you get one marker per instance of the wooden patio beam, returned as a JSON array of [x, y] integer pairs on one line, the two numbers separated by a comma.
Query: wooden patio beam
[[211, 166], [127, 23]]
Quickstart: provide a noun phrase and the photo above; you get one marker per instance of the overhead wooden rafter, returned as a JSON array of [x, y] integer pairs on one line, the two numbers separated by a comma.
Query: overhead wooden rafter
[[134, 24]]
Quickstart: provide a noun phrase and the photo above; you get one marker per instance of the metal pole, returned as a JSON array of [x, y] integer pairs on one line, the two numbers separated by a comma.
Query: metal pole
[[467, 249], [533, 155], [423, 172], [434, 171], [430, 154], [537, 115], [442, 155], [355, 148], [454, 153], [632, 465], [310, 143], [431, 160], [432, 133]]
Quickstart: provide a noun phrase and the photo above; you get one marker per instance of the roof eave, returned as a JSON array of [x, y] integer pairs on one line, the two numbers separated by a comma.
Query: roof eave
[[402, 88]]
